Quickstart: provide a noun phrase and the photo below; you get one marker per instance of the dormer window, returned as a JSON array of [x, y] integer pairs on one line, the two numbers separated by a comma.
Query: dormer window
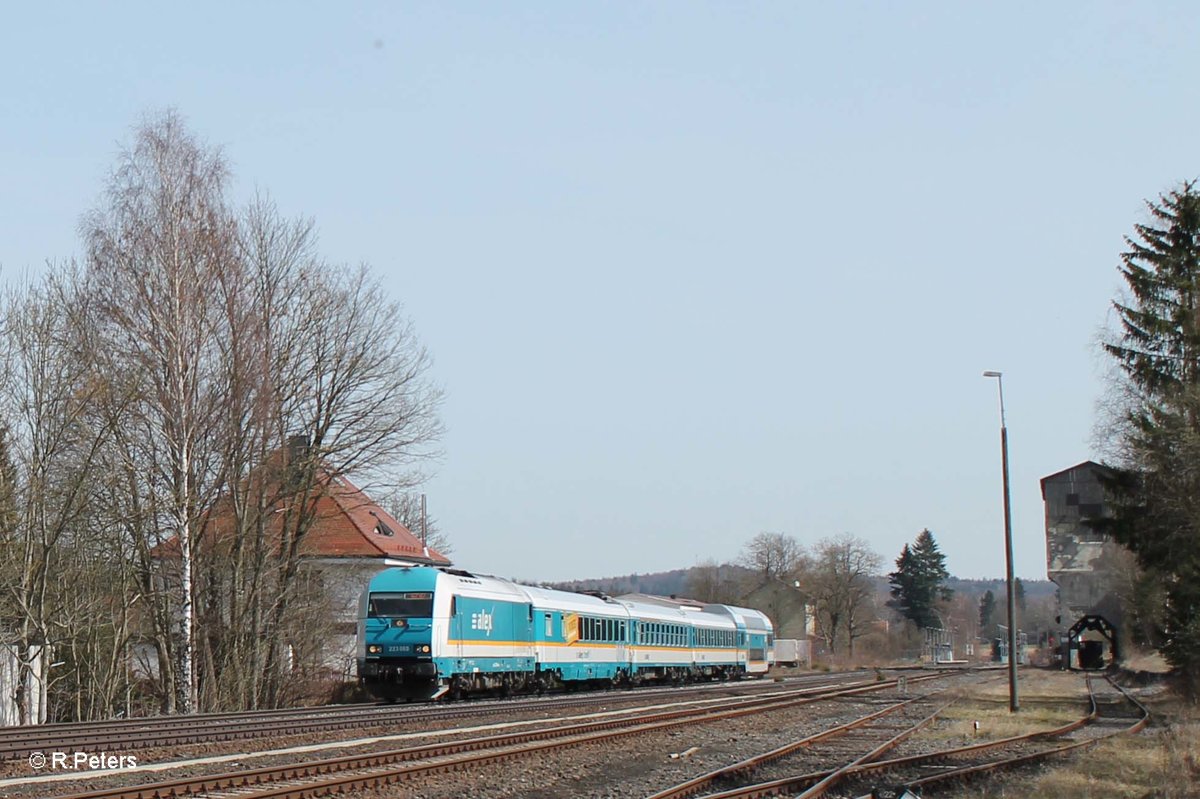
[[381, 528]]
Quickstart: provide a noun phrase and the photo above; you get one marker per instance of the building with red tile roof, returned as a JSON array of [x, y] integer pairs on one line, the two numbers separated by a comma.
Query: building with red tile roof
[[348, 539], [349, 524]]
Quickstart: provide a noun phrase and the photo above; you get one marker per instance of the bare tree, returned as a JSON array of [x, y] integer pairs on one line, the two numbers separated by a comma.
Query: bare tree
[[840, 587], [170, 420], [773, 555], [347, 385], [710, 582], [158, 247], [50, 458], [406, 507]]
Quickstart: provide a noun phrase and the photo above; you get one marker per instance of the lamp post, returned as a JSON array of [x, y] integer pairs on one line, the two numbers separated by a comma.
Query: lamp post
[[1013, 704]]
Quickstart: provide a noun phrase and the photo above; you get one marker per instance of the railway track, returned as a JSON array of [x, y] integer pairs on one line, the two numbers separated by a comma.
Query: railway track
[[357, 772], [878, 724], [1106, 719], [133, 735], [862, 764]]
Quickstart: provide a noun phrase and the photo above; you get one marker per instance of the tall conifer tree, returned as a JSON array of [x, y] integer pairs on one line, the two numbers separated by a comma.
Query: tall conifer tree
[[919, 581], [1156, 498], [987, 614]]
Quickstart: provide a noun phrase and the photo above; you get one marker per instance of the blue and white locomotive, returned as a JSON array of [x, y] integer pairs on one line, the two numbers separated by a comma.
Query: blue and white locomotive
[[426, 632]]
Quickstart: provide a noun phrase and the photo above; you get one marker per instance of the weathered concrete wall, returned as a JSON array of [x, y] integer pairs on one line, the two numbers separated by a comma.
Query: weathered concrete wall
[[1077, 557]]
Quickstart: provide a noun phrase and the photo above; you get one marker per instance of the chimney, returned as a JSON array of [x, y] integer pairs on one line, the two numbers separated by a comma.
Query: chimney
[[297, 447]]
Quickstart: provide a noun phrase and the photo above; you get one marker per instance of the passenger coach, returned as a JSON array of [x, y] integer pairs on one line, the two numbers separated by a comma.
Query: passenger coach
[[425, 632]]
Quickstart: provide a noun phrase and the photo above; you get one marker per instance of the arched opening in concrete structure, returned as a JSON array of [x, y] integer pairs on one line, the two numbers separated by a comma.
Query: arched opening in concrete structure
[[1091, 644]]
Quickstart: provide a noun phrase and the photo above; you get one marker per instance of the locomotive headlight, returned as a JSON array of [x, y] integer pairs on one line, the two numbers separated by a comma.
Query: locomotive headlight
[[400, 623], [424, 648], [374, 649]]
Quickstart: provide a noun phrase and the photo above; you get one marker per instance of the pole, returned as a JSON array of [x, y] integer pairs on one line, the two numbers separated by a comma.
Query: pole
[[1013, 702], [425, 531]]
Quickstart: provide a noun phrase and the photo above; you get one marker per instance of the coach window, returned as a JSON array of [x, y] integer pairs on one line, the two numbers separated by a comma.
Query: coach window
[[549, 626]]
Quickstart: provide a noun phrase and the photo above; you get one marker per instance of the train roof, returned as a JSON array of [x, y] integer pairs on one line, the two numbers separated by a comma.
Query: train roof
[[747, 617], [569, 600], [637, 606]]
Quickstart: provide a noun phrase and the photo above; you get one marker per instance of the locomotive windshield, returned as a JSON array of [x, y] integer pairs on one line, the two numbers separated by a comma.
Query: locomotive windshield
[[400, 605]]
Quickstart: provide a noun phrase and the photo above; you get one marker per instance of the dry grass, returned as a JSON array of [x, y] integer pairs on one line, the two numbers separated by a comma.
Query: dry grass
[[1162, 762]]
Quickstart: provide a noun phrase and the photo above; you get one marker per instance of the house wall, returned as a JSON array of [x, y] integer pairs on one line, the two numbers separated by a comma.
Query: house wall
[[783, 604], [344, 580]]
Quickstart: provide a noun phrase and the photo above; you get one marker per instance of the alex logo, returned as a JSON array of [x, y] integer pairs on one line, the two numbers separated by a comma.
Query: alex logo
[[482, 620]]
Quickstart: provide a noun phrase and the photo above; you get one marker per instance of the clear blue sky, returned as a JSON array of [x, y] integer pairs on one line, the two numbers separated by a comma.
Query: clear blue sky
[[688, 271]]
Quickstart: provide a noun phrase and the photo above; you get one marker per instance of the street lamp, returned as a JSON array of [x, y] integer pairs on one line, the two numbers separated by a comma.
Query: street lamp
[[1013, 704]]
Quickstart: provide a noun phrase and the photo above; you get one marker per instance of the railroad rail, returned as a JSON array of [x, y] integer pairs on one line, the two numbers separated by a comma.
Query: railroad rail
[[364, 771], [735, 771], [922, 770], [132, 735], [969, 771]]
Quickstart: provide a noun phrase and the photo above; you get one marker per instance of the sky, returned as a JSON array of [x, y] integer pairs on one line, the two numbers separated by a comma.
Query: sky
[[689, 271]]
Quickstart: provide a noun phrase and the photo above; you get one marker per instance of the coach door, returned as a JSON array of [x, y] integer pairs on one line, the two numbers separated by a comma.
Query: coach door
[[524, 647], [456, 630]]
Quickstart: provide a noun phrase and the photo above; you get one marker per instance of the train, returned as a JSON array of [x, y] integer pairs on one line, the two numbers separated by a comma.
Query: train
[[428, 632]]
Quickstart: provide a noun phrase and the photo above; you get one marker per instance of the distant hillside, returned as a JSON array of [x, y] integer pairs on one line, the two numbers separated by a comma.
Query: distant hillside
[[1034, 589], [676, 582], [660, 583]]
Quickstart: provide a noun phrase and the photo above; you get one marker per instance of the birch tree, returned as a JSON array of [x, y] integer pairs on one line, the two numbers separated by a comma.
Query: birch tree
[[157, 246]]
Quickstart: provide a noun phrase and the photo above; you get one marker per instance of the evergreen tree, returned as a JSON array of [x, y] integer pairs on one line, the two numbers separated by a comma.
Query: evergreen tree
[[918, 582], [1156, 497], [987, 614], [1019, 593]]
